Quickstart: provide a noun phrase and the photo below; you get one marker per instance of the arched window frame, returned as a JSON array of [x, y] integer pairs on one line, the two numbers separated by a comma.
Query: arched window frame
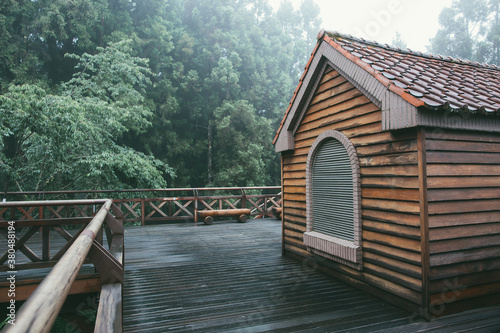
[[337, 249]]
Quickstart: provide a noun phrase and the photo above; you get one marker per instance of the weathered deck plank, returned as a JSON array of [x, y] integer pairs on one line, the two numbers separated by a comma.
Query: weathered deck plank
[[232, 277]]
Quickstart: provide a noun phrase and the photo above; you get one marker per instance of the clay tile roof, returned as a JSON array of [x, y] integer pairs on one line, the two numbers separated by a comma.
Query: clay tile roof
[[434, 82], [426, 81]]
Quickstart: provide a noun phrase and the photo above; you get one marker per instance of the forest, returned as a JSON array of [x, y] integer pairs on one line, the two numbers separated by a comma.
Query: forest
[[119, 94]]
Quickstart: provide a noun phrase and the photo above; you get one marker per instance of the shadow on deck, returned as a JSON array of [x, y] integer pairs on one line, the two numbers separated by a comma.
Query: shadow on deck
[[231, 277]]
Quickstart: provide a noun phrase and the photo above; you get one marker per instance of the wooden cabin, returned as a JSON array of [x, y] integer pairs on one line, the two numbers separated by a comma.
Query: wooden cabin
[[391, 174]]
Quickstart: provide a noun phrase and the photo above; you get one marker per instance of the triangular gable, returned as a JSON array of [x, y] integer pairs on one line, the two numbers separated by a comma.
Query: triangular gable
[[403, 106]]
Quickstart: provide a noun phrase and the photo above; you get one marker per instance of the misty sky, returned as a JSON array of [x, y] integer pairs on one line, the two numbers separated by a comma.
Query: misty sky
[[379, 20]]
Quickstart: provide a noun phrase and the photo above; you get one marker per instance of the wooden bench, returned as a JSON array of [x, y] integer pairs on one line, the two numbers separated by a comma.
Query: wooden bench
[[208, 215]]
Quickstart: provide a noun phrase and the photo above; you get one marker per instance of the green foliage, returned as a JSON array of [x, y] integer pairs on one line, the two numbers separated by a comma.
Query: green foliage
[[469, 30], [139, 111], [69, 141], [398, 41], [241, 145]]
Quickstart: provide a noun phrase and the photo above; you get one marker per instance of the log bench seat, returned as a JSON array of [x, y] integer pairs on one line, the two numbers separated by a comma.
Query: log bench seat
[[208, 215]]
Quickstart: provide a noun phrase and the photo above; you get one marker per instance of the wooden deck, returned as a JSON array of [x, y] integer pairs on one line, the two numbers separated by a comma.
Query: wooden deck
[[231, 277]]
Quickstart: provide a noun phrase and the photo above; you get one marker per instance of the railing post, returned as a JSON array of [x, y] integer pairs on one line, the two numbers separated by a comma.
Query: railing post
[[195, 194], [143, 212], [45, 237], [46, 243], [243, 198]]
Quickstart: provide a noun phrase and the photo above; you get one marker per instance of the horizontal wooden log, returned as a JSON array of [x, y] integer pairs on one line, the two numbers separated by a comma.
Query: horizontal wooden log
[[277, 212], [389, 181], [460, 157], [294, 197], [354, 123], [294, 204], [464, 231], [208, 215], [463, 182], [463, 146], [333, 101], [468, 255], [466, 268], [291, 212], [469, 280], [392, 229], [385, 160], [464, 194], [295, 226], [463, 244], [471, 169], [464, 206], [301, 167], [340, 87], [465, 292], [392, 252], [394, 241], [383, 137], [390, 171], [294, 234], [391, 205], [390, 194], [462, 136], [388, 148], [392, 217], [336, 114], [439, 221], [392, 276], [294, 174], [294, 243], [223, 212]]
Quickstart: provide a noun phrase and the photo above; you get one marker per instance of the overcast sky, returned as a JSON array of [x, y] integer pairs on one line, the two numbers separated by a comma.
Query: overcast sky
[[379, 20]]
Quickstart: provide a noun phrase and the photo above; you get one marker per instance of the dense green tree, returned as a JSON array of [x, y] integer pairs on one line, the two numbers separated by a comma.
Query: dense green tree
[[398, 41], [69, 140], [226, 51], [206, 60], [469, 30], [241, 145]]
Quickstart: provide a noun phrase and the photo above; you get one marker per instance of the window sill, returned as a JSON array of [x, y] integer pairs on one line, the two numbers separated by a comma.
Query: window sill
[[340, 250]]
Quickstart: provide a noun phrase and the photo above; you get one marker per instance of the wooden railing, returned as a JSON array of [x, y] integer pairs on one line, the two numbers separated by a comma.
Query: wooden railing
[[176, 204], [26, 218]]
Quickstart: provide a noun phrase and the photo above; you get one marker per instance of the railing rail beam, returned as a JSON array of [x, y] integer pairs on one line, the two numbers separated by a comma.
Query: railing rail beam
[[40, 311]]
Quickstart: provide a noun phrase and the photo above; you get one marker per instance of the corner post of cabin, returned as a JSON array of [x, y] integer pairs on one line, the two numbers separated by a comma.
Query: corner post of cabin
[[195, 195], [424, 221], [282, 207]]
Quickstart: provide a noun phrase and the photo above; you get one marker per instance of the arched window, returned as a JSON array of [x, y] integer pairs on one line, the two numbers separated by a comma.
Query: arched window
[[333, 199]]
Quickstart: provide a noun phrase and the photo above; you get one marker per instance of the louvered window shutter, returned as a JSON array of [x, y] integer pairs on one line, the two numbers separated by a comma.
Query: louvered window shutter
[[332, 191]]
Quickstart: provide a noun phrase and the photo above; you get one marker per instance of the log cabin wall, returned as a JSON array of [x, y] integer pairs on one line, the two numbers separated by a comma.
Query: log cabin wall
[[391, 248], [463, 181]]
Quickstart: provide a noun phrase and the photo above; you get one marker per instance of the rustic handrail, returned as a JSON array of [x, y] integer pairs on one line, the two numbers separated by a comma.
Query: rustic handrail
[[41, 309], [44, 203], [181, 189]]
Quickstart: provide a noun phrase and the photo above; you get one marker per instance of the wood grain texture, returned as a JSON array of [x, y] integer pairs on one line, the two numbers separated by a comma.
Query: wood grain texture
[[389, 186], [464, 215], [231, 277]]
